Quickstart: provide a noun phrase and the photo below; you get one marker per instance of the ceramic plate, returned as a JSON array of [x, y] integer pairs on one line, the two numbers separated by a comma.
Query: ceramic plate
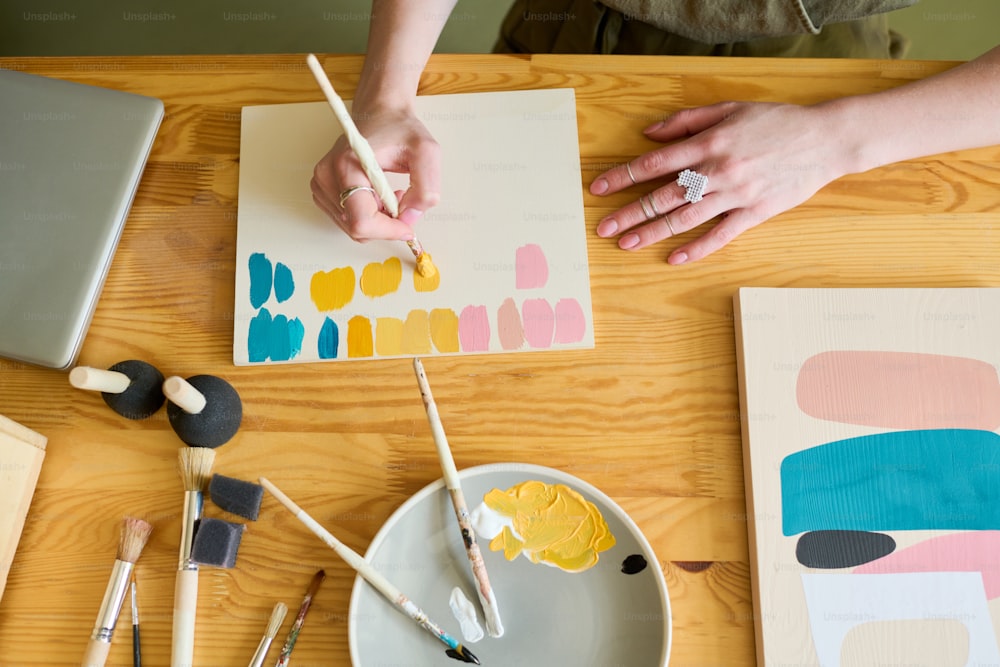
[[600, 616]]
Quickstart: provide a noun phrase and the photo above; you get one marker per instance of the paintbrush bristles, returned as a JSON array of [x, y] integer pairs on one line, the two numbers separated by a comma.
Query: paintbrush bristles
[[134, 535], [195, 466], [277, 616]]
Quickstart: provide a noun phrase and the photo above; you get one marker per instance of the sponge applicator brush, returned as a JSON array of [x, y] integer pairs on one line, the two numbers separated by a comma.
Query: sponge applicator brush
[[236, 496], [216, 543], [131, 388], [204, 410]]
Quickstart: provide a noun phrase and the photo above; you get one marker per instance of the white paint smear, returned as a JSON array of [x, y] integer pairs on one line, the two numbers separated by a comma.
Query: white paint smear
[[465, 613]]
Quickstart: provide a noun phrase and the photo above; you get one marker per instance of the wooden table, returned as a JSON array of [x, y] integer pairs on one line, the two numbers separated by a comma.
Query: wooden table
[[651, 416]]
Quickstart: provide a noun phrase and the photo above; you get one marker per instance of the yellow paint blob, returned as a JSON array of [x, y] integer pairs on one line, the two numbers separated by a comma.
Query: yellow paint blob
[[444, 329], [331, 290], [426, 278], [417, 333], [359, 337], [388, 336], [381, 279], [552, 524]]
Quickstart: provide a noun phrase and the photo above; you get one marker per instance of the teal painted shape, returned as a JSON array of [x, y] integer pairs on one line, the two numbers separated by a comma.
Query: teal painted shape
[[284, 283], [285, 338], [258, 336], [942, 479], [329, 340], [260, 279]]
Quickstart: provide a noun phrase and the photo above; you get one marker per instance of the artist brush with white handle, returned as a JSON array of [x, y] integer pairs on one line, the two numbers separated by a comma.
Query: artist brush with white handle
[[195, 467], [372, 169], [374, 577], [487, 598], [273, 625], [132, 540]]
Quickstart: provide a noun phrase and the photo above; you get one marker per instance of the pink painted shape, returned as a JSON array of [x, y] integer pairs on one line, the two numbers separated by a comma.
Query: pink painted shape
[[509, 325], [973, 551], [474, 329], [531, 269], [539, 321], [900, 390], [570, 322]]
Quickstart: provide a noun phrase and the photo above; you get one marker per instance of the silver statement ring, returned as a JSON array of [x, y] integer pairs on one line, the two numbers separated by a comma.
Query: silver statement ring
[[694, 185], [346, 194]]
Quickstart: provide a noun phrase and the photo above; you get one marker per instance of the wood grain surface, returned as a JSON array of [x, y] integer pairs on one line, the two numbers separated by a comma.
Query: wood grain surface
[[651, 416]]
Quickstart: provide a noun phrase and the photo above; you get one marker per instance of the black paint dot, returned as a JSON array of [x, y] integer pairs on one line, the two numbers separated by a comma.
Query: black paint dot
[[634, 564]]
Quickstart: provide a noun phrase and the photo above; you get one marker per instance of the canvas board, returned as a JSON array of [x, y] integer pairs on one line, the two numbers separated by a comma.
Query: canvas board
[[871, 456], [508, 239]]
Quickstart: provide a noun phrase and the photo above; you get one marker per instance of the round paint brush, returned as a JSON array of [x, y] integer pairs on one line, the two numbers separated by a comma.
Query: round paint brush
[[133, 538], [277, 616], [195, 467]]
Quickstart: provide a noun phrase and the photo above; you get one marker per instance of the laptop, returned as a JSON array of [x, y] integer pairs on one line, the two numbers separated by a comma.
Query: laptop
[[71, 156]]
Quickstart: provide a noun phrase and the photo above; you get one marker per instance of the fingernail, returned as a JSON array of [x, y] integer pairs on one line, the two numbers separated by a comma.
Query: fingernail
[[629, 241], [410, 215], [653, 128], [607, 227], [599, 187], [678, 258]]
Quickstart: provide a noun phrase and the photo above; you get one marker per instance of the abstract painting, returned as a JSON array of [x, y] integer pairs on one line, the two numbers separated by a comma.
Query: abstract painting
[[872, 469], [508, 239]]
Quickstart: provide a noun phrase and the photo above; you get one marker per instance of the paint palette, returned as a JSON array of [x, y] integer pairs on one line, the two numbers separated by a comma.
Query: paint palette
[[508, 239], [616, 611]]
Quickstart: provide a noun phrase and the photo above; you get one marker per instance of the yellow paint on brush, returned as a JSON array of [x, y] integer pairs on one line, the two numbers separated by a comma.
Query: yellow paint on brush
[[551, 523], [359, 337], [426, 278], [388, 336], [331, 290], [444, 329], [417, 333], [381, 279]]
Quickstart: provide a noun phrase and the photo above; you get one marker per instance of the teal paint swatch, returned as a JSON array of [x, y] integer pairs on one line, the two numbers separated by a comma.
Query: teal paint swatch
[[941, 479], [260, 279], [276, 338], [258, 336], [284, 283], [329, 340]]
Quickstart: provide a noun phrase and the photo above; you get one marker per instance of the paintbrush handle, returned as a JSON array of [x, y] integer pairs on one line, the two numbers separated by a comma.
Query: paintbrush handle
[[185, 607], [97, 653]]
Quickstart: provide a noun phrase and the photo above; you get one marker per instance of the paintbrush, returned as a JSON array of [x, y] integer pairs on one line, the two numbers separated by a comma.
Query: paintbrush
[[133, 537], [373, 577], [136, 652], [293, 634], [371, 167], [277, 616], [195, 467], [487, 598]]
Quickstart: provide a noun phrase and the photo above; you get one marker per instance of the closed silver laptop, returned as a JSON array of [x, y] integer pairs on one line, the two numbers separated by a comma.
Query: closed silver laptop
[[71, 157]]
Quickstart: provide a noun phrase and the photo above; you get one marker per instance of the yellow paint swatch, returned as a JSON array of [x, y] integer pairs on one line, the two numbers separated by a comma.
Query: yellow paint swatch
[[550, 523], [444, 329], [426, 283], [381, 279], [417, 333], [388, 336], [359, 337], [331, 290]]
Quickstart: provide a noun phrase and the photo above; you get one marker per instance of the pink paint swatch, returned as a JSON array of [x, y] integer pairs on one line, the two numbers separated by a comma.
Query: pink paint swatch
[[570, 322], [900, 390], [474, 329], [539, 321], [509, 325], [973, 551], [531, 269]]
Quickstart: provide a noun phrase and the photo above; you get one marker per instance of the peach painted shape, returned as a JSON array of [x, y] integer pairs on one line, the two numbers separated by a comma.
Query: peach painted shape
[[538, 321], [388, 336], [359, 337], [571, 324], [972, 551], [332, 290], [942, 642], [531, 269], [900, 390], [381, 279], [444, 330], [425, 283], [509, 328], [474, 329], [417, 333]]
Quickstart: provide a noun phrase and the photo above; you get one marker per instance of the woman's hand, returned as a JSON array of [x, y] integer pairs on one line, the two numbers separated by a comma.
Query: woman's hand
[[760, 159]]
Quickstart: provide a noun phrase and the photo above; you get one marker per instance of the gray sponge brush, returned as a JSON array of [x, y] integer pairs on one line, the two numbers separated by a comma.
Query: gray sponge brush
[[216, 543], [236, 496]]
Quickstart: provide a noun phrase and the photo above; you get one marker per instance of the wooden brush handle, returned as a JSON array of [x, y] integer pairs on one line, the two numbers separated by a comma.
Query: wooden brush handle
[[97, 653], [185, 606]]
